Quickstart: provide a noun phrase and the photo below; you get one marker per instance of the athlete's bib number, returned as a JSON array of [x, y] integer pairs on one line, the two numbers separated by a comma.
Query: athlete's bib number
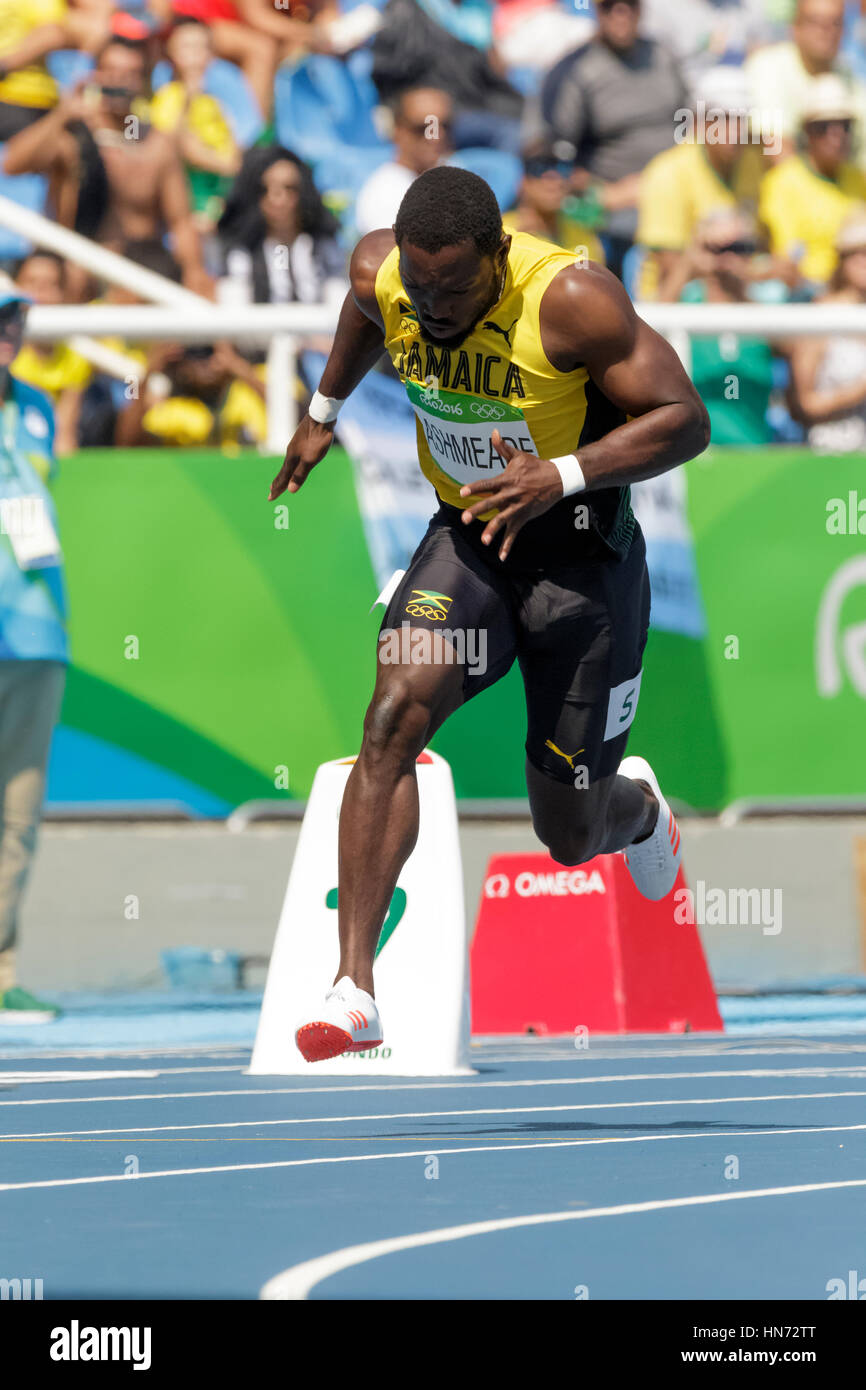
[[459, 429]]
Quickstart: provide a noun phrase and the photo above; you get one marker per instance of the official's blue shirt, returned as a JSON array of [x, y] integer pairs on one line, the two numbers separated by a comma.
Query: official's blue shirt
[[33, 607]]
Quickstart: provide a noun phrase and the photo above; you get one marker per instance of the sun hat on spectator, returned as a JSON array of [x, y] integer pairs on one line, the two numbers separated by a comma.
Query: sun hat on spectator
[[828, 100], [723, 88]]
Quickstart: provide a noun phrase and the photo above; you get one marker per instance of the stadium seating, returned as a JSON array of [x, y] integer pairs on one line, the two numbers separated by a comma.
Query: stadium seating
[[68, 65], [30, 191], [320, 107], [503, 171]]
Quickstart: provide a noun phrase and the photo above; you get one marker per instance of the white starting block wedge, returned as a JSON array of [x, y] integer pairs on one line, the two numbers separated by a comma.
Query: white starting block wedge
[[423, 948]]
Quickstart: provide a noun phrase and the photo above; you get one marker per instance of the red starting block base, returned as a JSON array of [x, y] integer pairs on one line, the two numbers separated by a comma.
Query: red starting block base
[[562, 950]]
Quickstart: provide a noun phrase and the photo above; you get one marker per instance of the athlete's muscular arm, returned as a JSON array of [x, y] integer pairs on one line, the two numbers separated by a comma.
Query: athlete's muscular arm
[[358, 345], [587, 318]]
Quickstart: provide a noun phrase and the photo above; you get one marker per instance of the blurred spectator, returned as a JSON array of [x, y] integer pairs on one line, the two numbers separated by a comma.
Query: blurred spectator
[[537, 33], [115, 177], [713, 168], [259, 34], [543, 204], [733, 374], [54, 368], [195, 396], [423, 121], [278, 238], [806, 198], [29, 31], [782, 77], [829, 374], [204, 138], [33, 643], [704, 33], [414, 48], [614, 102], [106, 395]]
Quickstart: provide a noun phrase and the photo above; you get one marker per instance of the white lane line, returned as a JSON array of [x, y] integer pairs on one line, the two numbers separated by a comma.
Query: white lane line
[[414, 1153], [162, 1095], [436, 1114], [297, 1281], [42, 1078], [761, 1073]]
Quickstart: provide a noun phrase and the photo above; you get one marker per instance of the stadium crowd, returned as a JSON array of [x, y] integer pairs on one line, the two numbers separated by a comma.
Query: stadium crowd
[[708, 151]]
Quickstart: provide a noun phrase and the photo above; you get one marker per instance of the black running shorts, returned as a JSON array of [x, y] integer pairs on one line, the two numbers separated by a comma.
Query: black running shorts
[[578, 634]]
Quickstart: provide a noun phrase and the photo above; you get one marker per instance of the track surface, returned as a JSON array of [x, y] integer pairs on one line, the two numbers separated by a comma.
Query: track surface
[[699, 1167]]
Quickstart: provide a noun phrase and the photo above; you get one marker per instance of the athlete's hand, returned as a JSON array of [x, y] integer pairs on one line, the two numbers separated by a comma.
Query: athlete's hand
[[527, 487], [307, 447]]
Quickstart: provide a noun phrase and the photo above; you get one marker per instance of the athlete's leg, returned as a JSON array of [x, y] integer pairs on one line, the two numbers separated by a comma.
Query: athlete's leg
[[581, 640], [446, 590], [379, 816], [577, 823], [256, 55]]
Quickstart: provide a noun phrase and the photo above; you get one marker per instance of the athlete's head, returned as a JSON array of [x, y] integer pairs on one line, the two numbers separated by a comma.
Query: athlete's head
[[453, 252]]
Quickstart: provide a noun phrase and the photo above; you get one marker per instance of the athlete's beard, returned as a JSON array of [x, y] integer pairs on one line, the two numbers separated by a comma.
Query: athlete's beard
[[456, 338]]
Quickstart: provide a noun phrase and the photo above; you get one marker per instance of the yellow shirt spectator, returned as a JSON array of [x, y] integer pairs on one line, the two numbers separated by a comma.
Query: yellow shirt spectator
[[204, 117], [571, 235], [61, 369], [30, 86], [186, 422], [680, 186], [803, 212]]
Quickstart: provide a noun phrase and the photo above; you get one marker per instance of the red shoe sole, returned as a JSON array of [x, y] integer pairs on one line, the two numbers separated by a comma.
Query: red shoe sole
[[319, 1041]]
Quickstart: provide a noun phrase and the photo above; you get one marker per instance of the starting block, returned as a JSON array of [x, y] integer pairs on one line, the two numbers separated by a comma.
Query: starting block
[[422, 954], [565, 950]]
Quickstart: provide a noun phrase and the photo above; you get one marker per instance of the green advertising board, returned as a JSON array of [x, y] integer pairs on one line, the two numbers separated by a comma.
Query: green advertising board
[[223, 646]]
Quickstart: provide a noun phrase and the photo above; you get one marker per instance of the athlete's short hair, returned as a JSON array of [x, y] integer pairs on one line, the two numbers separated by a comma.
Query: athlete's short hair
[[447, 205]]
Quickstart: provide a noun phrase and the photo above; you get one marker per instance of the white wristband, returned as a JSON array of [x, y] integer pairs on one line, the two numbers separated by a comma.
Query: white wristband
[[324, 409], [571, 474]]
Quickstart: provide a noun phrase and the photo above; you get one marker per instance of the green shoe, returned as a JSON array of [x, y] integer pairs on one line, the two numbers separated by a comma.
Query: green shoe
[[19, 1006]]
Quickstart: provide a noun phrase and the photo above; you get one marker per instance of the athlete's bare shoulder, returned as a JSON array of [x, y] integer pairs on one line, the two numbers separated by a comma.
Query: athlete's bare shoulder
[[585, 311], [364, 265]]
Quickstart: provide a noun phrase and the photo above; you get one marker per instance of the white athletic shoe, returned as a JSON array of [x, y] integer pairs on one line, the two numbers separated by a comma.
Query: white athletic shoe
[[653, 864], [348, 1021]]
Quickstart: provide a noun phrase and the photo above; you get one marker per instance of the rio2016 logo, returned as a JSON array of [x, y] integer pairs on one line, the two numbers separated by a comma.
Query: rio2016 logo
[[830, 640]]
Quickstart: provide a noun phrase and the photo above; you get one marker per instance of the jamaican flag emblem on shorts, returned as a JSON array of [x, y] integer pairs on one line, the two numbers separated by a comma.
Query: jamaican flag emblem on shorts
[[426, 603]]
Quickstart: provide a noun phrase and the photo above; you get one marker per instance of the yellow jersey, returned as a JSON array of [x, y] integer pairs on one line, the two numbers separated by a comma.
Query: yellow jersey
[[803, 213], [499, 378], [33, 85], [58, 370]]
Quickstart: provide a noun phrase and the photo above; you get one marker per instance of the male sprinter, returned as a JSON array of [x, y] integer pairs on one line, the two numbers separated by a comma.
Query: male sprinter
[[540, 396]]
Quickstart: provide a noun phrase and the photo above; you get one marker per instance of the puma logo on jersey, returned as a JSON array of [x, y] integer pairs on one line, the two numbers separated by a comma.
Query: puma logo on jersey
[[506, 332], [569, 757]]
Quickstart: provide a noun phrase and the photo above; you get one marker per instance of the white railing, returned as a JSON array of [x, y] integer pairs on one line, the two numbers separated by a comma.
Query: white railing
[[277, 327], [177, 315]]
